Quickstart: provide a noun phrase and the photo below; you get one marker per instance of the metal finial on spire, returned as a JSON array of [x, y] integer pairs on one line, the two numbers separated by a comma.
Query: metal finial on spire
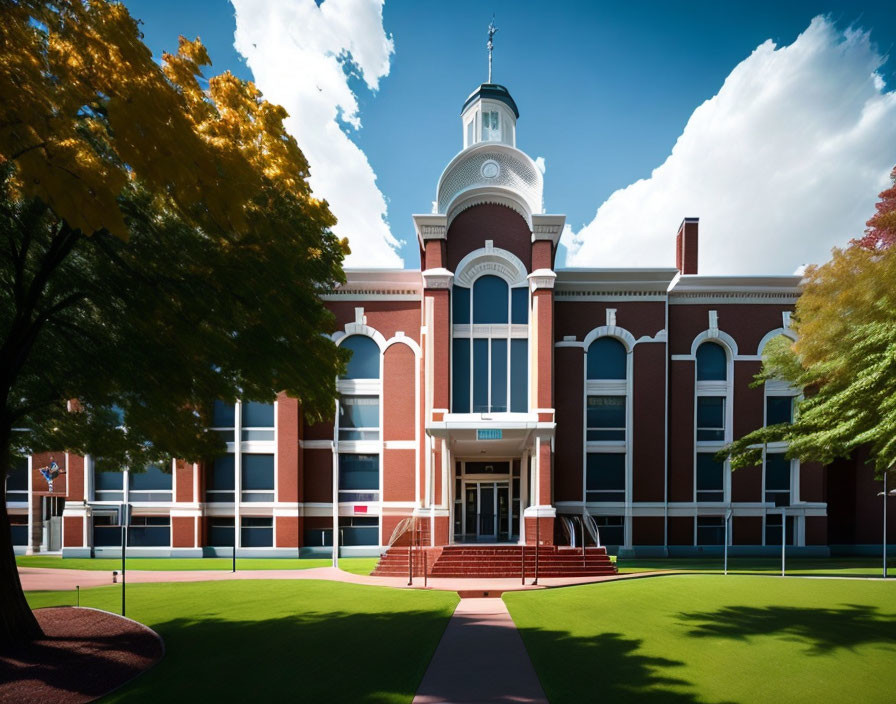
[[491, 45]]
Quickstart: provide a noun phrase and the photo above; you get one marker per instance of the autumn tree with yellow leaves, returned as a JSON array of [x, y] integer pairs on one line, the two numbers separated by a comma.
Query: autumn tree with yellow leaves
[[161, 249], [844, 358]]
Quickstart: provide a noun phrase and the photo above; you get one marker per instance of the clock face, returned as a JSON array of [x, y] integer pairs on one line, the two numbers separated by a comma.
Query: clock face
[[490, 169]]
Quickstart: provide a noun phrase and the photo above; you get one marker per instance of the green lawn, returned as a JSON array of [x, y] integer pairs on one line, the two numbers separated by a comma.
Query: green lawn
[[357, 565], [702, 638], [831, 566], [273, 641]]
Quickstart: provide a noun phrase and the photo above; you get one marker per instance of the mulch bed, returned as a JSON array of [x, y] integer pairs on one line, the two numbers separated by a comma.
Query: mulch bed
[[85, 654]]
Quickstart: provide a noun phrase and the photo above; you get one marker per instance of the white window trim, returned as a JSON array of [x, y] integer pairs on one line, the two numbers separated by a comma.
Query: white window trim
[[714, 388], [471, 270], [610, 387]]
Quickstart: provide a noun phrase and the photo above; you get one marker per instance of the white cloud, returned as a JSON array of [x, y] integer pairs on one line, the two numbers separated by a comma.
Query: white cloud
[[540, 164], [782, 164], [298, 53]]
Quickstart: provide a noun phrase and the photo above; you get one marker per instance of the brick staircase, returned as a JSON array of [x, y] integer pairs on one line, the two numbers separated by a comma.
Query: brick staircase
[[495, 561]]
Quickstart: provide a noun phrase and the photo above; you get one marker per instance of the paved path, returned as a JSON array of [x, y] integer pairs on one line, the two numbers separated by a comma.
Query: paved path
[[481, 658], [39, 578]]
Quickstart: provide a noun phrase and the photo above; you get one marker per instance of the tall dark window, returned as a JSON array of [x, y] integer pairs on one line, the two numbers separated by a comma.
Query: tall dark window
[[149, 531], [365, 361], [773, 529], [605, 418], [611, 529], [223, 415], [359, 530], [220, 481], [257, 477], [220, 532], [359, 418], [777, 479], [256, 532], [778, 409], [490, 367], [710, 478], [710, 530], [712, 362], [359, 477], [606, 359], [490, 295], [710, 418], [108, 486], [152, 484], [605, 476], [17, 481]]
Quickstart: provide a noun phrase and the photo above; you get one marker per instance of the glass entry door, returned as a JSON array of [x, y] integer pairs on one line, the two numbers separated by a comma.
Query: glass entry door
[[486, 511]]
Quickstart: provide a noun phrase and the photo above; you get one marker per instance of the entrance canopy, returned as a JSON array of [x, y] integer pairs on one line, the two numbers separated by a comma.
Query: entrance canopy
[[489, 434]]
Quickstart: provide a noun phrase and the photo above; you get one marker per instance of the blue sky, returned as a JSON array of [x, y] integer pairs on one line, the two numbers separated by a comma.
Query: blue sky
[[605, 91]]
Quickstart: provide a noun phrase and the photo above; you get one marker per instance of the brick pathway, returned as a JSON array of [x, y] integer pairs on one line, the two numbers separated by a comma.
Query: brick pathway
[[481, 658], [35, 578]]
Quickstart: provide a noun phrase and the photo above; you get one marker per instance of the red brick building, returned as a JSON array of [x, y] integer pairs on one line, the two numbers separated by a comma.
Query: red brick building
[[495, 396]]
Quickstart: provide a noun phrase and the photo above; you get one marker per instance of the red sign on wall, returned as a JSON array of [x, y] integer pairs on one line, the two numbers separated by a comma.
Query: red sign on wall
[[360, 509]]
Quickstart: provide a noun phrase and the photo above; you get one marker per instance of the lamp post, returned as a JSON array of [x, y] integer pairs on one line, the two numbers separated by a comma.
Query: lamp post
[[886, 495], [783, 538], [727, 521]]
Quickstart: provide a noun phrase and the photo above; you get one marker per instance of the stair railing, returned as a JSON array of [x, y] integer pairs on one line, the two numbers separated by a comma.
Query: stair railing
[[404, 526], [591, 525], [568, 530]]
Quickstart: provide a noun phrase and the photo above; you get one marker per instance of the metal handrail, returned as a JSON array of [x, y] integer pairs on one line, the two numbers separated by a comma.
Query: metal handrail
[[569, 530], [591, 525], [403, 527]]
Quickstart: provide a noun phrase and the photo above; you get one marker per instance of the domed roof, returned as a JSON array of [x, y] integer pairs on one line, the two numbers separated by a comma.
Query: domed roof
[[492, 91]]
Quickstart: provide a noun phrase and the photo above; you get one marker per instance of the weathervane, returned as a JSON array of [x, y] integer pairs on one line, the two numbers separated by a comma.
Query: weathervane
[[491, 45]]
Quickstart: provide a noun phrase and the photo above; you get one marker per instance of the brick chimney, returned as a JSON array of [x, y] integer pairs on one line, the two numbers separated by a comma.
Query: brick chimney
[[686, 246]]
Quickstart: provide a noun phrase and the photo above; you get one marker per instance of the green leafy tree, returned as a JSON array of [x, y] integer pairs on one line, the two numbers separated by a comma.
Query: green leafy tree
[[844, 359], [161, 248]]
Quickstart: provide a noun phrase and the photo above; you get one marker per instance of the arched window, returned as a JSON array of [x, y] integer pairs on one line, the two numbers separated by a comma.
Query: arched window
[[713, 403], [712, 363], [606, 359], [490, 363], [359, 424], [607, 406], [365, 361], [490, 300]]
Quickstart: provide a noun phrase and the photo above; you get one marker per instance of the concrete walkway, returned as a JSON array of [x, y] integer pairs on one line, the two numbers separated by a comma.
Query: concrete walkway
[[51, 579], [481, 658]]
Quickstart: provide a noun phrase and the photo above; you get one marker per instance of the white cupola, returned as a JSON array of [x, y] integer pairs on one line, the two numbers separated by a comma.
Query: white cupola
[[489, 115]]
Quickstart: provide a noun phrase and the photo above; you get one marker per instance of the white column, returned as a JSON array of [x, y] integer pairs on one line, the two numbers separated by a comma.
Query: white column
[[536, 472], [446, 465], [335, 540], [524, 494]]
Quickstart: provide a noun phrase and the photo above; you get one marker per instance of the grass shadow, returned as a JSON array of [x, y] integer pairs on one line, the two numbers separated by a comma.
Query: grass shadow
[[822, 630], [607, 667], [325, 656]]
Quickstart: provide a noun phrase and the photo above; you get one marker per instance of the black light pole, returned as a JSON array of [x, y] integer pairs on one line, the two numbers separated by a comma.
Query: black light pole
[[583, 540], [886, 495]]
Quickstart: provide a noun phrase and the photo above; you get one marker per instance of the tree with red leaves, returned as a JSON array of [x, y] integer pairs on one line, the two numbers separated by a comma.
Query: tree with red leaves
[[881, 228]]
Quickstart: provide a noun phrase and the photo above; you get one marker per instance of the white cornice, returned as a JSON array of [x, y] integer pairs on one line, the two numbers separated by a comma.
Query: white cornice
[[547, 227], [769, 289], [541, 278], [438, 278], [364, 284], [430, 226]]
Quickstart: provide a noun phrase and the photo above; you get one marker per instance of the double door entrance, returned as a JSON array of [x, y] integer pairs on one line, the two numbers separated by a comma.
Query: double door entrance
[[486, 508]]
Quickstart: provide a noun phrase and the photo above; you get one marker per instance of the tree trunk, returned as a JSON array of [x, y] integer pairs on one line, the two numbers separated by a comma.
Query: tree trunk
[[17, 622]]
